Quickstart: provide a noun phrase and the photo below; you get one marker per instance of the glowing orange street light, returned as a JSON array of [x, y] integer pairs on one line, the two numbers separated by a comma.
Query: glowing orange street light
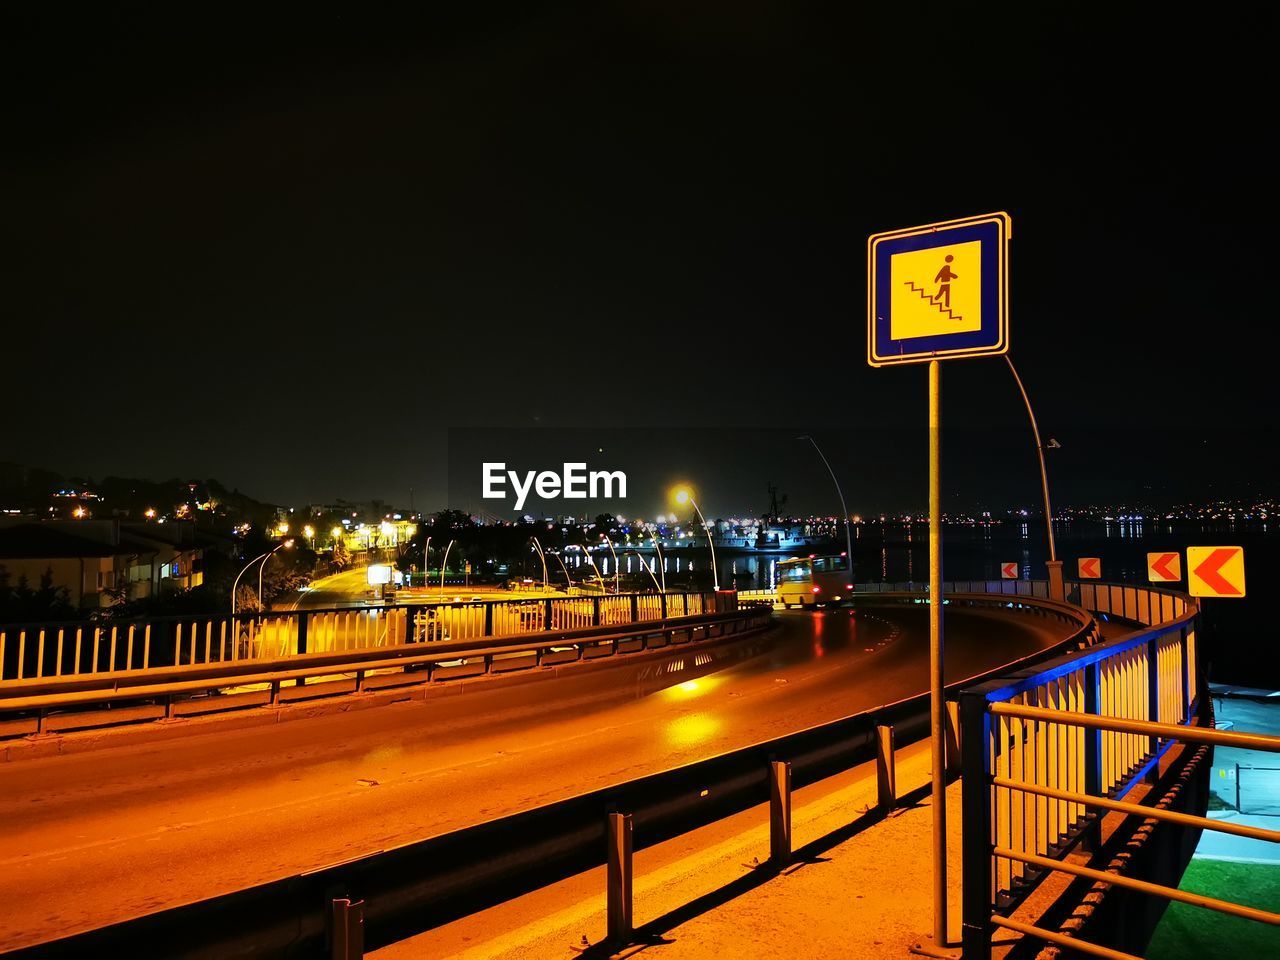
[[684, 495]]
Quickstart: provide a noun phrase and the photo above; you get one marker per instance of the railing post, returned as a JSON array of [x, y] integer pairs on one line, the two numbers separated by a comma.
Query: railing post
[[886, 770], [779, 812], [1153, 699], [635, 608], [302, 641], [952, 734], [595, 611], [663, 598], [488, 618], [547, 613], [618, 900], [348, 929], [976, 827], [1092, 752], [1186, 678]]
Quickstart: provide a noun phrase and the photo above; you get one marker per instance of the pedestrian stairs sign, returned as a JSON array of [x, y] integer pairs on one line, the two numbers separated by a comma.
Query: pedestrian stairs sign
[[939, 291]]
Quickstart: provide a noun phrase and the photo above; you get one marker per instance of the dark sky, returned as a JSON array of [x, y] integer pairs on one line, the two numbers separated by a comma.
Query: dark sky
[[294, 252]]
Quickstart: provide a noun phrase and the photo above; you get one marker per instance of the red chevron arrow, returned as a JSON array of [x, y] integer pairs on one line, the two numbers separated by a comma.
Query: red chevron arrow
[[1009, 571], [1208, 572], [1089, 568], [1161, 567]]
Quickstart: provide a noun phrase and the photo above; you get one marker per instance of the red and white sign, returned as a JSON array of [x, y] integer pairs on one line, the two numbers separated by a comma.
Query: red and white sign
[[1090, 568], [1009, 571], [1164, 567]]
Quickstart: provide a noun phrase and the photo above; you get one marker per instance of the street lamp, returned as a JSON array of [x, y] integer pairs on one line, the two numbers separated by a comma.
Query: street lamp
[[848, 536], [1057, 590], [591, 560], [646, 569], [235, 585], [265, 560], [567, 579], [444, 563], [662, 564], [615, 561], [537, 546], [683, 496]]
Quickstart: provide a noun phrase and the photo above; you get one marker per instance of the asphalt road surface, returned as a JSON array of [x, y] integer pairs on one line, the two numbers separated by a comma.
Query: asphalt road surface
[[87, 839]]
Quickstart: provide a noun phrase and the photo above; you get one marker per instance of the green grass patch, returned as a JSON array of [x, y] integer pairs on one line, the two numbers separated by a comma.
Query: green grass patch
[[1196, 933]]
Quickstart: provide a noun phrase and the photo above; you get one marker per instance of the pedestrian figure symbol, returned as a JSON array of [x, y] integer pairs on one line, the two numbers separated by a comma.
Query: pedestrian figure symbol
[[943, 279]]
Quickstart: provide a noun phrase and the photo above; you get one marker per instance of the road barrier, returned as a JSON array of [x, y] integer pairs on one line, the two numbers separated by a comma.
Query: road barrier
[[40, 650], [1048, 751], [423, 884], [91, 699]]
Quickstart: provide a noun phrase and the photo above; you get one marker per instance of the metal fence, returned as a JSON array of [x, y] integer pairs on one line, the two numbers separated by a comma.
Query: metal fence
[[405, 889], [39, 651], [1044, 753]]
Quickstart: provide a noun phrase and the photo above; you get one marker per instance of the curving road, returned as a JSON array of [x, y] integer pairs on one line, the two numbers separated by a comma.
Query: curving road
[[87, 839]]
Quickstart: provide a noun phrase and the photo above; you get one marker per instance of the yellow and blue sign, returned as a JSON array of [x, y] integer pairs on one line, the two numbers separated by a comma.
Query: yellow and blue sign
[[939, 292]]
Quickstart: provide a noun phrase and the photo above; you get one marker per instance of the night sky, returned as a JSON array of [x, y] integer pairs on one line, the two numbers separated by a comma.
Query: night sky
[[298, 254]]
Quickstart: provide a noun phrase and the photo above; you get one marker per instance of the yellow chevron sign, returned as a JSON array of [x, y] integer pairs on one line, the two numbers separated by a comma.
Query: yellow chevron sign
[[936, 291], [1215, 571]]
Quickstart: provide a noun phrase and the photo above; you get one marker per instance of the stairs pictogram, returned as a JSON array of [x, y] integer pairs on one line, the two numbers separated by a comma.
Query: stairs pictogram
[[924, 295]]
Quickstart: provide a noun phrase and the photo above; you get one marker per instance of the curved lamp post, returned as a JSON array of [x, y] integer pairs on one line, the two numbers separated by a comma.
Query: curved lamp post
[[646, 569], [444, 563], [1056, 588], [662, 564], [537, 546], [684, 496], [265, 560], [615, 561], [848, 536], [264, 557], [591, 560], [567, 579]]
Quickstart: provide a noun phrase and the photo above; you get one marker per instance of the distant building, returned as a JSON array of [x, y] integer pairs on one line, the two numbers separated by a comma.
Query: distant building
[[93, 559]]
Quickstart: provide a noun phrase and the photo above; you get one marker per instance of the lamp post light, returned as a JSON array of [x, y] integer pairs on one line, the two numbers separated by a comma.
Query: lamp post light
[[444, 563], [662, 564], [591, 560], [236, 584], [615, 561], [265, 560], [684, 496], [542, 556], [1057, 589], [646, 569], [568, 580], [848, 535]]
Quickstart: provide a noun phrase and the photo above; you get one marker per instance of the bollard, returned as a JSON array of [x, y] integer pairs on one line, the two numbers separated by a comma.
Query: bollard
[[779, 812], [348, 929], [953, 736], [618, 832], [886, 773]]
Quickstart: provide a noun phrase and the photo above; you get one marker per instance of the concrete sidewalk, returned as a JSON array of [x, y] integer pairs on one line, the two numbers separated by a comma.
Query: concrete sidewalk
[[860, 887]]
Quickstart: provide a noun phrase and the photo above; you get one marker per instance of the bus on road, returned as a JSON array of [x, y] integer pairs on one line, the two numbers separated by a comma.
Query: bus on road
[[814, 580]]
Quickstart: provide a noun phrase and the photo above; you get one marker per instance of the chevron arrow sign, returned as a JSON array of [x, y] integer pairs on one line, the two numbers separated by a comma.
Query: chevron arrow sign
[[1164, 567], [1215, 571]]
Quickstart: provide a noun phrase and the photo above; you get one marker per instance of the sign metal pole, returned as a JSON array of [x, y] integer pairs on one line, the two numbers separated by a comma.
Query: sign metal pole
[[937, 730]]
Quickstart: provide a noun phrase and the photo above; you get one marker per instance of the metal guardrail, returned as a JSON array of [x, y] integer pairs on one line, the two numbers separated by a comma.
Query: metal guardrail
[[186, 687], [410, 888], [1049, 751], [39, 650]]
